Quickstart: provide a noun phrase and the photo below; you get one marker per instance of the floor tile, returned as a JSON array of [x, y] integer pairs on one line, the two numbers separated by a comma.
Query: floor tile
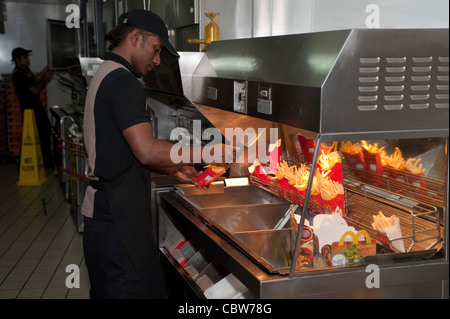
[[37, 241]]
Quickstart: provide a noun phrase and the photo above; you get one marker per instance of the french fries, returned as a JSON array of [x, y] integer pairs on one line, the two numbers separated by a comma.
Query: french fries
[[350, 148], [301, 181], [217, 169], [329, 189], [414, 166], [327, 161], [286, 171], [371, 148], [394, 161], [381, 222], [389, 231]]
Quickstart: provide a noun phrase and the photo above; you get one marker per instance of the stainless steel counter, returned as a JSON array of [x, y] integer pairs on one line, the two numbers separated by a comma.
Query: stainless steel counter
[[399, 277]]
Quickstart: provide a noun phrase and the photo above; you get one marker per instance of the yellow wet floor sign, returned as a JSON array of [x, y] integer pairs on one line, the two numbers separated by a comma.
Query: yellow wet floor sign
[[32, 171]]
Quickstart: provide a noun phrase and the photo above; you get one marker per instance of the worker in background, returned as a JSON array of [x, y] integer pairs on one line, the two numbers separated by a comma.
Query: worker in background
[[120, 252], [28, 88]]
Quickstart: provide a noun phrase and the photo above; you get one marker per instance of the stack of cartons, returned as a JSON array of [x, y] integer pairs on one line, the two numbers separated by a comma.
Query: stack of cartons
[[4, 152], [11, 117], [14, 117]]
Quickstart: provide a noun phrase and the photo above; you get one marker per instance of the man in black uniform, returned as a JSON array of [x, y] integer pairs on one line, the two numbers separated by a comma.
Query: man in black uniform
[[120, 253], [28, 89]]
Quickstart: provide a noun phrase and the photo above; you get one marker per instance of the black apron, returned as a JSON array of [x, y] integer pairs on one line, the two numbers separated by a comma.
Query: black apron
[[129, 202]]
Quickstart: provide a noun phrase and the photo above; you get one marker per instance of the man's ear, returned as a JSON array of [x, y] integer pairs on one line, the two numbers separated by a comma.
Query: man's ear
[[135, 35]]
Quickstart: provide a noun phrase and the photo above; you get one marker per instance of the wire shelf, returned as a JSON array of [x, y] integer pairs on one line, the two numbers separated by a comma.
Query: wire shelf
[[368, 193]]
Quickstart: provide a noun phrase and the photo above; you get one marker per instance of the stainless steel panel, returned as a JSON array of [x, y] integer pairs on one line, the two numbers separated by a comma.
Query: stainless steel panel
[[399, 280], [180, 13], [332, 15], [301, 60], [345, 84], [233, 196], [238, 219], [292, 16], [409, 82], [251, 220], [188, 62], [273, 246]]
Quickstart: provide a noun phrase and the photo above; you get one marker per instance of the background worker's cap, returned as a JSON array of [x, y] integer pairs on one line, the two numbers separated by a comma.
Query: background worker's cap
[[18, 52], [151, 22]]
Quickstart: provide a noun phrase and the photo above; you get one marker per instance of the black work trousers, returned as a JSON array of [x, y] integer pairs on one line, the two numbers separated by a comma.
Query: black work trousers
[[103, 257]]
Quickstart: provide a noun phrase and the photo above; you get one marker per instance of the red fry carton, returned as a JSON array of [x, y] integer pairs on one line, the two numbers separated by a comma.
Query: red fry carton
[[372, 164], [355, 161], [287, 190], [335, 173], [275, 155], [316, 198], [307, 145], [209, 175], [258, 171], [335, 204], [418, 180]]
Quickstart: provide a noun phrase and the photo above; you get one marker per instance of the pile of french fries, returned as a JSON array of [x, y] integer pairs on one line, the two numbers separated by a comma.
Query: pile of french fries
[[390, 226], [294, 174], [395, 160], [371, 148], [350, 148], [327, 161], [298, 177], [329, 189], [381, 222], [414, 166]]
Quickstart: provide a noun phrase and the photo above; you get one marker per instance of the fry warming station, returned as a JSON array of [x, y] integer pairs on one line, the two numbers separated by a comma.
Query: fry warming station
[[384, 91]]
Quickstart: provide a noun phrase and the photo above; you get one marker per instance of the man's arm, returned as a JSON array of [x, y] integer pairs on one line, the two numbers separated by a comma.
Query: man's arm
[[40, 81], [147, 149], [155, 153]]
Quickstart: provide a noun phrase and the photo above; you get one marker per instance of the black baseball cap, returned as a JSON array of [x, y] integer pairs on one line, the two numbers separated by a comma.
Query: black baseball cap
[[18, 52], [151, 22]]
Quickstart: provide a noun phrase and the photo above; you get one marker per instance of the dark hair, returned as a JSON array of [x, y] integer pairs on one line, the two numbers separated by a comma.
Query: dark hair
[[118, 34]]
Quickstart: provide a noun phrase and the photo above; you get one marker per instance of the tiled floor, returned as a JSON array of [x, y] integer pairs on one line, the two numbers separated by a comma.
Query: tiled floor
[[37, 243]]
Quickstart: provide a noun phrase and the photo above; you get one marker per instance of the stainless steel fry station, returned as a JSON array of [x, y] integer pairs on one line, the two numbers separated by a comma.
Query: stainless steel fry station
[[373, 87], [341, 115]]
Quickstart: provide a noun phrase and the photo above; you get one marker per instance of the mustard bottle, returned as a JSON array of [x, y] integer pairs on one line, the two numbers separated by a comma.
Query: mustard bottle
[[212, 31]]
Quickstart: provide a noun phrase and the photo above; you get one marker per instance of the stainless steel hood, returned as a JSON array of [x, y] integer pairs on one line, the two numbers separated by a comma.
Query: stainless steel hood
[[339, 84]]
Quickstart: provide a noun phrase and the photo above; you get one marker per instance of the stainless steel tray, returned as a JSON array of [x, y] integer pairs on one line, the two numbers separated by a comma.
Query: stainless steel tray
[[254, 221]]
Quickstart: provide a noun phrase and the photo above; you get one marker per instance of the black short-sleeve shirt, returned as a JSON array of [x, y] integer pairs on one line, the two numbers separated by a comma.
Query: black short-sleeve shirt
[[23, 79], [115, 101]]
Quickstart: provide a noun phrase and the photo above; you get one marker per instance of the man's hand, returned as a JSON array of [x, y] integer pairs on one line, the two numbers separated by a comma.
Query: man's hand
[[187, 174]]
